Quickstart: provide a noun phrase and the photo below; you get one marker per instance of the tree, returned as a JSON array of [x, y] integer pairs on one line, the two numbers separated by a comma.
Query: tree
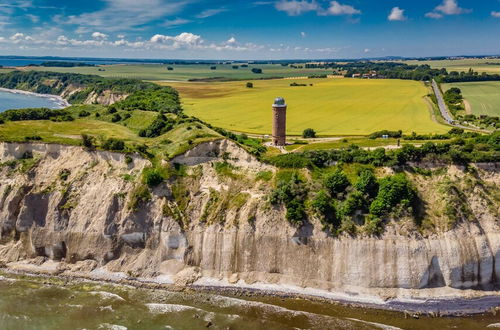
[[249, 85], [256, 70], [308, 133], [336, 182], [88, 141], [367, 183]]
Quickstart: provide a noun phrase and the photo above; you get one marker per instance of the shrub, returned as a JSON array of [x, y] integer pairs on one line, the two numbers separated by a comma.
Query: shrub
[[152, 176], [128, 159], [112, 109], [158, 127], [367, 183], [87, 141], [336, 182], [257, 70], [249, 85], [292, 193], [308, 133], [393, 190], [116, 118], [138, 196], [64, 174], [323, 205], [33, 138], [83, 113], [113, 144]]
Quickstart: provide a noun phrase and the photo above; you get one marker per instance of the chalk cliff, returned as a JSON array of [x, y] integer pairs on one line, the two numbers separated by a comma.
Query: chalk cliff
[[81, 211]]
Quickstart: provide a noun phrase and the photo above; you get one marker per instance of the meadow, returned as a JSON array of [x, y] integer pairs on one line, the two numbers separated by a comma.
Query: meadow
[[329, 106], [482, 97], [186, 72], [478, 65]]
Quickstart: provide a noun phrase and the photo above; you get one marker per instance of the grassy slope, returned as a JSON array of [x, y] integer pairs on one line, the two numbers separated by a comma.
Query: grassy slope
[[186, 72], [484, 97], [330, 106], [478, 65], [167, 145]]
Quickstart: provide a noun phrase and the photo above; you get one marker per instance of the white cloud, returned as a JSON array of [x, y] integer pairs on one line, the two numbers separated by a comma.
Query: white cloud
[[175, 22], [210, 12], [303, 34], [448, 7], [295, 7], [33, 18], [366, 50], [433, 15], [122, 15], [397, 14], [337, 9], [495, 14], [231, 40], [183, 40], [99, 35]]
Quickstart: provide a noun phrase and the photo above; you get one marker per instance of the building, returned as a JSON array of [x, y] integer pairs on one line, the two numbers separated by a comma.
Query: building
[[279, 122]]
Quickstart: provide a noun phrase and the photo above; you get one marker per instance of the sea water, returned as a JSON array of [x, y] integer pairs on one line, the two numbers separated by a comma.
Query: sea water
[[46, 303], [15, 100]]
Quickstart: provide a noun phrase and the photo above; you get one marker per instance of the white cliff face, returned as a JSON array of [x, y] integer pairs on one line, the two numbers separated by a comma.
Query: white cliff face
[[72, 206]]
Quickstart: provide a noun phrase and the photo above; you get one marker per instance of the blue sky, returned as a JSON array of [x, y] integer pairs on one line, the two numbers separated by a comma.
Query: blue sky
[[260, 29]]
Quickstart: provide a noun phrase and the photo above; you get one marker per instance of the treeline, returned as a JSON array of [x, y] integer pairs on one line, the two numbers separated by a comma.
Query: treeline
[[62, 64], [483, 148], [470, 76], [35, 114], [142, 95], [392, 70]]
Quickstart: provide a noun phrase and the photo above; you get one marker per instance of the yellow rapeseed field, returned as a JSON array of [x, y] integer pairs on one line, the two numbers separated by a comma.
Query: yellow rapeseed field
[[329, 106]]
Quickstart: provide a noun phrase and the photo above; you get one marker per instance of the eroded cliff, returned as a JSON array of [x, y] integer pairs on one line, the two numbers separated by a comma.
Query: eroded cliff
[[67, 210]]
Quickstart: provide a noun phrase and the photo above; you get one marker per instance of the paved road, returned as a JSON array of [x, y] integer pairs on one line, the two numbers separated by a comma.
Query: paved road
[[442, 105]]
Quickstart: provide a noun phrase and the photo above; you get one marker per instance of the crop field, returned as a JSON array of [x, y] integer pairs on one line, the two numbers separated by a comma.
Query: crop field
[[478, 65], [186, 72], [329, 106], [483, 98]]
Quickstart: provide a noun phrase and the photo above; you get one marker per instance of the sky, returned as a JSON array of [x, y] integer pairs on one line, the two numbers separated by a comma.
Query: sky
[[259, 29]]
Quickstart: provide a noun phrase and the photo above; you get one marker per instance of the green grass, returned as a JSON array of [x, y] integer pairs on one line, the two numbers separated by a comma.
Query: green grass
[[478, 65], [330, 106], [361, 142], [182, 138], [483, 97], [186, 72]]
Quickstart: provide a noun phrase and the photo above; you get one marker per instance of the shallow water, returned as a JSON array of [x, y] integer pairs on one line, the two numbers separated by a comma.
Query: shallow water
[[51, 303], [18, 101]]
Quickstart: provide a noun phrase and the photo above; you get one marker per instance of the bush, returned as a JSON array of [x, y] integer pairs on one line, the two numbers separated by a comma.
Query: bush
[[292, 193], [325, 208], [116, 118], [367, 183], [249, 85], [336, 182], [87, 141], [394, 190], [257, 70], [152, 176], [83, 113], [114, 144], [309, 133], [33, 138], [158, 127]]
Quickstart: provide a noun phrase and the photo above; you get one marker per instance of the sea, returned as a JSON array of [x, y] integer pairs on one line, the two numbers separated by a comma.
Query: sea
[[50, 303], [16, 100]]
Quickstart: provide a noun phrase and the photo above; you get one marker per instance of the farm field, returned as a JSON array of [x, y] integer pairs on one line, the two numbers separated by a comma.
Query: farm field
[[329, 106], [478, 65], [185, 72], [483, 97]]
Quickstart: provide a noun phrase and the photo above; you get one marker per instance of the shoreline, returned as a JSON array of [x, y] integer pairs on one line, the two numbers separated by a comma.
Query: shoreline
[[484, 302], [58, 100]]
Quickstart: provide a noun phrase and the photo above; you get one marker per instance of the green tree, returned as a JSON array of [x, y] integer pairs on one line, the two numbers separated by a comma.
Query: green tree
[[308, 133], [336, 182], [367, 183]]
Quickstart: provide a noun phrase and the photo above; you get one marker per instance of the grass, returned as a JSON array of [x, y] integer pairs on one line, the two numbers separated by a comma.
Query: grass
[[180, 139], [186, 72], [483, 97], [330, 106], [478, 65]]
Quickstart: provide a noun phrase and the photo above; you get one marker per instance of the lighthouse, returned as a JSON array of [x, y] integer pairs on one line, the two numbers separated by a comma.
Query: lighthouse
[[279, 122]]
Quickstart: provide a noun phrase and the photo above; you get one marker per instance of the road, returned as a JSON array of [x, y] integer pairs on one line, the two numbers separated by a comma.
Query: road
[[442, 105]]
